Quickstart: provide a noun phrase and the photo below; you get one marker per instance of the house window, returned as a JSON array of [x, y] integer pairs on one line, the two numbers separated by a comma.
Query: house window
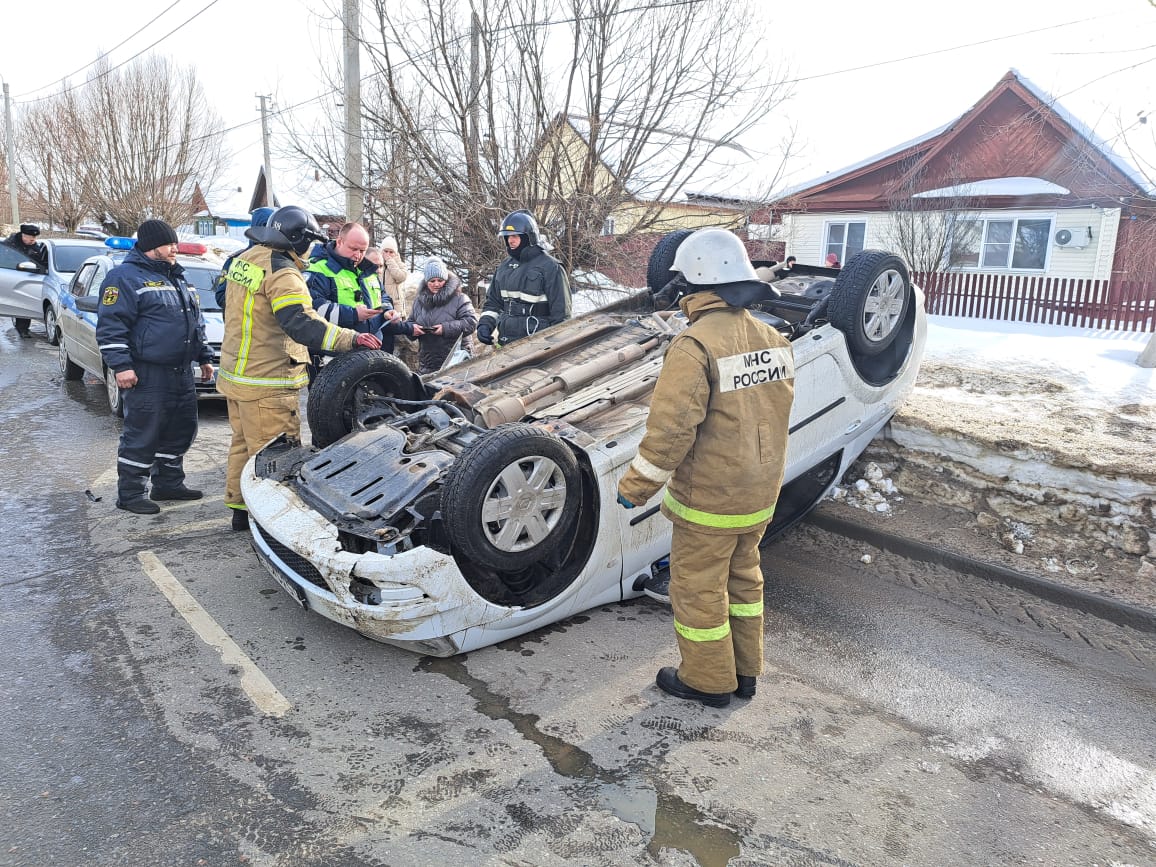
[[608, 226], [844, 240], [205, 226], [1019, 244]]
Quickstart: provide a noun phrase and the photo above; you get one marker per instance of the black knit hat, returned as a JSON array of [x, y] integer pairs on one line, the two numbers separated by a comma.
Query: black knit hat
[[29, 229], [153, 234]]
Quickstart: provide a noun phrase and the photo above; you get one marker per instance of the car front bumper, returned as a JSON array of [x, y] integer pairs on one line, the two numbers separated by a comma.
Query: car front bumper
[[421, 601]]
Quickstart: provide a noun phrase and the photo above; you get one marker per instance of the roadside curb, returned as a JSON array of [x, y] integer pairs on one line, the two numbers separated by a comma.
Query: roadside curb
[[1120, 613]]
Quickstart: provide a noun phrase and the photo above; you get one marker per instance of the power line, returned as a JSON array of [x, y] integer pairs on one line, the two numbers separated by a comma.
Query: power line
[[941, 50], [111, 69], [110, 51]]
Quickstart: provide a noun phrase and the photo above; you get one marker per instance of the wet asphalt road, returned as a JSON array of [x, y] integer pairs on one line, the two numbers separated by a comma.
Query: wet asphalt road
[[907, 715]]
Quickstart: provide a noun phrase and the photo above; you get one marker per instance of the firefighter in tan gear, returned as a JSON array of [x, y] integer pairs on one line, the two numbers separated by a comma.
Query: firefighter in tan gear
[[270, 328], [717, 438]]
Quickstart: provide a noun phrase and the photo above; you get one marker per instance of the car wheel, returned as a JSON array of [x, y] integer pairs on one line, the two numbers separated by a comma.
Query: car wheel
[[51, 327], [511, 497], [658, 272], [68, 369], [115, 395], [870, 299], [334, 392]]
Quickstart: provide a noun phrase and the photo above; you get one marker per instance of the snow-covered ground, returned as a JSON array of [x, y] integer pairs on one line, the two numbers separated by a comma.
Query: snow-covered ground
[[1098, 365], [1045, 434]]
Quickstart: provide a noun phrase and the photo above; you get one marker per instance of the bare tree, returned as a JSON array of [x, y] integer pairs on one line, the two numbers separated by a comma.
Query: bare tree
[[931, 232], [132, 143], [50, 142], [573, 109]]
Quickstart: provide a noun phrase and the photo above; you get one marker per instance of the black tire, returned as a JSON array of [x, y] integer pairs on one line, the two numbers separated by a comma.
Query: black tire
[[69, 369], [658, 272], [333, 392], [51, 326], [870, 300], [115, 395], [511, 497]]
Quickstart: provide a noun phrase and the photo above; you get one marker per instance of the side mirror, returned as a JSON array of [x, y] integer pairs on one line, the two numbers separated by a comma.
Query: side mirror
[[30, 267], [87, 304]]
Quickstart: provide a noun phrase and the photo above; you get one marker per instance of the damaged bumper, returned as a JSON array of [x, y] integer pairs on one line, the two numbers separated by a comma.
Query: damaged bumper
[[417, 599]]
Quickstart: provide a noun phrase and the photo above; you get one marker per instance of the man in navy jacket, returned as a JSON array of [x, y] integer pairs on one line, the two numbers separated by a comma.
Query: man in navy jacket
[[150, 331]]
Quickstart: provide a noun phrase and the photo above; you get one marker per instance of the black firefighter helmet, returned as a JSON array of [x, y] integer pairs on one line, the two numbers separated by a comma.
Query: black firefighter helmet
[[520, 223], [289, 228]]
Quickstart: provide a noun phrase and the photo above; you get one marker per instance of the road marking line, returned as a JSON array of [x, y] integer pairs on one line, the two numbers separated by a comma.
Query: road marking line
[[256, 685]]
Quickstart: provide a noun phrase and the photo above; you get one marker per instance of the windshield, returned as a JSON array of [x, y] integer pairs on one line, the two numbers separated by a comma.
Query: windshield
[[69, 257]]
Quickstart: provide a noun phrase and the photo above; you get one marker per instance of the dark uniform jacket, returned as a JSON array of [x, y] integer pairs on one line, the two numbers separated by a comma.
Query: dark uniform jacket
[[719, 416], [326, 301], [35, 251], [149, 314], [452, 310], [526, 295]]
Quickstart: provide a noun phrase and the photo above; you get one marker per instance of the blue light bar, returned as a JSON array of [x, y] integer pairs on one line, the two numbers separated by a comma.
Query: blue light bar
[[119, 243]]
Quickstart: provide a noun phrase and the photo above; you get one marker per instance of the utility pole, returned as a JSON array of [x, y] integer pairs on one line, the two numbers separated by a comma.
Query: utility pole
[[10, 144], [354, 198], [265, 145]]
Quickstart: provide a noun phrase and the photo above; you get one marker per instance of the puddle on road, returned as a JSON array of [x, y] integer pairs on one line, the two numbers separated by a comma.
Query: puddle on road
[[670, 821]]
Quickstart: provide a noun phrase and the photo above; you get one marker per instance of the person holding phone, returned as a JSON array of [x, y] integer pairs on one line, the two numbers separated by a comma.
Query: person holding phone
[[346, 290]]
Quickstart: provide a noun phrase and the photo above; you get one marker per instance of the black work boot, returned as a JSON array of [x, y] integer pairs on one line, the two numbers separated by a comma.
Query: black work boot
[[669, 683], [180, 493], [746, 687], [240, 519], [138, 506]]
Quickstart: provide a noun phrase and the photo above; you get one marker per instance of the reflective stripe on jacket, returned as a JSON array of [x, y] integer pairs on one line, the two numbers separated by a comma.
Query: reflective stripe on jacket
[[148, 313], [719, 417], [270, 325], [527, 295]]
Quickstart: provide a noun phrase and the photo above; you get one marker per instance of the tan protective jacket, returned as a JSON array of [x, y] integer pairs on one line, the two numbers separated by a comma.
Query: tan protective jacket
[[719, 416], [270, 326]]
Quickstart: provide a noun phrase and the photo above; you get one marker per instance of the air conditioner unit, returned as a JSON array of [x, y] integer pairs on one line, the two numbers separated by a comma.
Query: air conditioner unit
[[1076, 238]]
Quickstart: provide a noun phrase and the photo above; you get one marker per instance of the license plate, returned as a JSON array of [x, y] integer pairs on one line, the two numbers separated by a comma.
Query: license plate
[[288, 586]]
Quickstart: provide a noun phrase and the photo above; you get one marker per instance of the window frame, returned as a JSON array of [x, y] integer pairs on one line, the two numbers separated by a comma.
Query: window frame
[[984, 242], [842, 251]]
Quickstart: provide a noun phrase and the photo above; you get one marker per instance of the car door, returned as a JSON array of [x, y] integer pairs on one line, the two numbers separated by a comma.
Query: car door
[[20, 284], [79, 325]]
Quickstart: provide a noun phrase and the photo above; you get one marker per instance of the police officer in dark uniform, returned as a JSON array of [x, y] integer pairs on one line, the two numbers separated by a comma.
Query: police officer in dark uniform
[[529, 291], [25, 242], [150, 331]]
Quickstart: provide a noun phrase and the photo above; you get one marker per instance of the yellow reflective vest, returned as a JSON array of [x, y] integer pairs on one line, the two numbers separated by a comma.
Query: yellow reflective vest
[[719, 416]]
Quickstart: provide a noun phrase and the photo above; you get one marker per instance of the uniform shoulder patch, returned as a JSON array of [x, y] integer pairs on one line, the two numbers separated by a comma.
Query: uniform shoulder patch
[[246, 274], [111, 293]]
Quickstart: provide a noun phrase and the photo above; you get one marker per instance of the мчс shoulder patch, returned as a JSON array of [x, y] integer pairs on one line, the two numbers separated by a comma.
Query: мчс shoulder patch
[[111, 293], [755, 367], [246, 274]]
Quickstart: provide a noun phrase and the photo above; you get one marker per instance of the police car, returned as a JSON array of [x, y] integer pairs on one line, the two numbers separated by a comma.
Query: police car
[[76, 305], [448, 512]]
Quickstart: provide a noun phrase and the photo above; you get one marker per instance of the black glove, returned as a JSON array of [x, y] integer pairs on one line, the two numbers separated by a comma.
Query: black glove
[[668, 295], [486, 331]]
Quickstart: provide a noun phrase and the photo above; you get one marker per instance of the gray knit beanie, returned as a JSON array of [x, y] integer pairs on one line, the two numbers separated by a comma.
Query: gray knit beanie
[[435, 269]]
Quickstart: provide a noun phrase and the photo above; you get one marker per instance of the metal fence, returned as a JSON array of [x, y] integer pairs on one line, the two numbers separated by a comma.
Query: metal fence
[[1120, 305]]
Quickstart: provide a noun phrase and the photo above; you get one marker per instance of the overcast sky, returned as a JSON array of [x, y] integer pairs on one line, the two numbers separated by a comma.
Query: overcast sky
[[870, 74]]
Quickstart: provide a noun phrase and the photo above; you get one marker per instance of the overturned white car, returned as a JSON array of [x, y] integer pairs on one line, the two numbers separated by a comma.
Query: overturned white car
[[450, 512]]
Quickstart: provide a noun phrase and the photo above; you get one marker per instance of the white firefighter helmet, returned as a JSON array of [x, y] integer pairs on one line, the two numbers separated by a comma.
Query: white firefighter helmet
[[709, 257]]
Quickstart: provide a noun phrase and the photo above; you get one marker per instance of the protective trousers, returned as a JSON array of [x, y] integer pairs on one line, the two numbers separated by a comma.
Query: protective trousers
[[160, 423], [254, 423], [716, 590]]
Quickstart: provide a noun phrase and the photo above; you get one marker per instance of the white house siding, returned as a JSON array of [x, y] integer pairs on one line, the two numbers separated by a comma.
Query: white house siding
[[805, 235]]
